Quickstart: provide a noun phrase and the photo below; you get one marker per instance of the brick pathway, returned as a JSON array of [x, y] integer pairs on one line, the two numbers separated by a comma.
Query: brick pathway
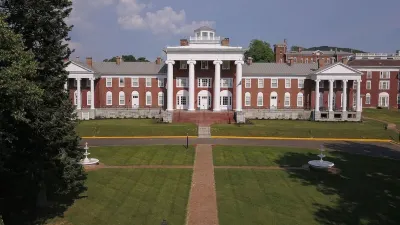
[[202, 206]]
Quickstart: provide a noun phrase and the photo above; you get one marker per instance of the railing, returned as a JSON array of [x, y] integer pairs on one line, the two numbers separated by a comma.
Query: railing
[[200, 39]]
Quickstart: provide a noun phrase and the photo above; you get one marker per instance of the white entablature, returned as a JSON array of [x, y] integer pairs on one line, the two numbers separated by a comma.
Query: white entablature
[[337, 71], [78, 71]]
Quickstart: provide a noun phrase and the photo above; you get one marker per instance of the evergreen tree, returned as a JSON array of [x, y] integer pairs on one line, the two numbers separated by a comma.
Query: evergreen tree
[[50, 167]]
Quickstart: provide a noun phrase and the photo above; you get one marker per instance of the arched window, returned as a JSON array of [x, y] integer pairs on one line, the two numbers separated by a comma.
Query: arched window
[[260, 99], [88, 98], [148, 98], [75, 98], [109, 98], [247, 99], [300, 99], [160, 98], [383, 99], [368, 99], [287, 99], [121, 98]]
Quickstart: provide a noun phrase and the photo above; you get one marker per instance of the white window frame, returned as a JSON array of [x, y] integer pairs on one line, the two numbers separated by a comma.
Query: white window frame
[[121, 98], [287, 94], [301, 96], [381, 82], [368, 84], [226, 65], [300, 83], [88, 98], [109, 82], [368, 99], [204, 65], [148, 81], [109, 98], [160, 82], [384, 75], [247, 99], [260, 99], [274, 83], [183, 65], [286, 83], [121, 84], [200, 82], [369, 74], [148, 97], [226, 83], [134, 82], [260, 83], [160, 98], [180, 83], [247, 83]]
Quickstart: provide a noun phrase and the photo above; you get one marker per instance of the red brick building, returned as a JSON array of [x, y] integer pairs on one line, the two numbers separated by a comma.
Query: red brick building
[[205, 73]]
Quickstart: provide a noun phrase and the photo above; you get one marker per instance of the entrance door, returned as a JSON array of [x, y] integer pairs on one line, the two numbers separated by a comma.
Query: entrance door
[[135, 101], [203, 102], [273, 103], [181, 102], [225, 102]]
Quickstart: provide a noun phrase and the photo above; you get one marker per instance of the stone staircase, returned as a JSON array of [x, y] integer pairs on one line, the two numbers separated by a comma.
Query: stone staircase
[[203, 117], [204, 132]]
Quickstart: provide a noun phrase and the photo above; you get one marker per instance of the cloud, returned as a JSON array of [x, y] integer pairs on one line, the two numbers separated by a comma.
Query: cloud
[[133, 15]]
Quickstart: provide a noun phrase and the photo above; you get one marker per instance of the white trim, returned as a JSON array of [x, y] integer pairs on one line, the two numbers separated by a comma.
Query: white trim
[[284, 99], [247, 94], [160, 94], [302, 99], [148, 93], [260, 94], [298, 83], [290, 83], [151, 81], [138, 81], [109, 93], [111, 81], [121, 96], [262, 83], [247, 81]]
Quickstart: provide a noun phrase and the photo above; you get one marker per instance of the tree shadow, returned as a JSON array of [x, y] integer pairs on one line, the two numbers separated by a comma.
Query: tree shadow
[[366, 190]]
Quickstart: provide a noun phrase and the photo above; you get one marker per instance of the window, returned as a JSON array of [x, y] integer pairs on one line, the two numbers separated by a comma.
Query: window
[[260, 83], [204, 82], [88, 98], [121, 82], [183, 65], [160, 99], [226, 82], [300, 83], [247, 83], [226, 65], [247, 99], [368, 85], [287, 83], [384, 85], [274, 83], [287, 99], [260, 99], [160, 82], [367, 99], [109, 82], [148, 82], [383, 99], [385, 75], [369, 74], [204, 65], [121, 98], [321, 84], [224, 100], [135, 82], [306, 60], [148, 98], [181, 82], [109, 98], [300, 99], [76, 98]]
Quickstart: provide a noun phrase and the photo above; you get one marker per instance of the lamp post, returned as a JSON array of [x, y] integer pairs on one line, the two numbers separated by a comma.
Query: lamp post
[[187, 140]]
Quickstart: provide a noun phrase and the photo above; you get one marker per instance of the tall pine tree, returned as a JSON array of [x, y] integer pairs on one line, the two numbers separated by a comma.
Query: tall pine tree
[[53, 147]]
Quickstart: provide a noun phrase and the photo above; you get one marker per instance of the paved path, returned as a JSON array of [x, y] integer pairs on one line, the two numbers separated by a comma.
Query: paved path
[[202, 207], [390, 126]]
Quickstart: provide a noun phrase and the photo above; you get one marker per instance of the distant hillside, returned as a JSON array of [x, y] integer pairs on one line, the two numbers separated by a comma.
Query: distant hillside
[[328, 48]]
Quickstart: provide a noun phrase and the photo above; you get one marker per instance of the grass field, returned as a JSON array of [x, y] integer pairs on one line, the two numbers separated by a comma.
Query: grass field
[[391, 116], [133, 127], [132, 196], [365, 191], [296, 128], [144, 155]]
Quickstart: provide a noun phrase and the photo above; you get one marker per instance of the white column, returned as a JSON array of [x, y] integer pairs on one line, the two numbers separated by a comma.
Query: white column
[[317, 95], [358, 96], [217, 85], [78, 92], [92, 93], [344, 93], [191, 84], [66, 85], [239, 74], [330, 95], [170, 85]]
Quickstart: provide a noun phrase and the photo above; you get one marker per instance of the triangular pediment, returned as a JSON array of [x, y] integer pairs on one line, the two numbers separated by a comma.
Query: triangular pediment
[[338, 69], [75, 67], [318, 52]]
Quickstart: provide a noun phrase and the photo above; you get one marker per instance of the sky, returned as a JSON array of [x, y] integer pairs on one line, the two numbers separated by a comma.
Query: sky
[[106, 28]]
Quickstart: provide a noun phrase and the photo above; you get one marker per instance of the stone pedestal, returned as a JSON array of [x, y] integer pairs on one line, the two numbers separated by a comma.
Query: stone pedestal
[[240, 118], [331, 115], [167, 117]]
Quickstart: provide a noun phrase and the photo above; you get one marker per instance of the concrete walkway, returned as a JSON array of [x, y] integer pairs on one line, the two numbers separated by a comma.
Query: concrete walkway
[[202, 206]]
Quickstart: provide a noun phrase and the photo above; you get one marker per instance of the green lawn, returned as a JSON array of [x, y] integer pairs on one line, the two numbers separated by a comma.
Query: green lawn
[[365, 191], [133, 127], [297, 128], [132, 196], [144, 155], [391, 116]]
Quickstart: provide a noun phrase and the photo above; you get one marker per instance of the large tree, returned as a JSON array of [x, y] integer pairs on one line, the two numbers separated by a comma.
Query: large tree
[[47, 161], [127, 58], [260, 51]]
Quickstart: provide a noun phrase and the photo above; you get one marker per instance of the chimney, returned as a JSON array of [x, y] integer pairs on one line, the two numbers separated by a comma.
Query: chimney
[[89, 61], [118, 61], [184, 42], [345, 60], [225, 42], [300, 49], [249, 60], [320, 63], [158, 61]]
